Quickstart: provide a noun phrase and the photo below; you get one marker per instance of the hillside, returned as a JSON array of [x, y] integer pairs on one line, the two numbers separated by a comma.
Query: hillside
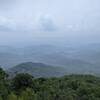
[[75, 59], [36, 69], [70, 87]]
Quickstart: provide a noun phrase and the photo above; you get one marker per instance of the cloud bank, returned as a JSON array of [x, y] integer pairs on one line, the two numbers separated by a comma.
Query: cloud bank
[[40, 18]]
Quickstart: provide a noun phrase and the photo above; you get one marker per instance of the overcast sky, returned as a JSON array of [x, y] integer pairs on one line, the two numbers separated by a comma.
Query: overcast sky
[[33, 19]]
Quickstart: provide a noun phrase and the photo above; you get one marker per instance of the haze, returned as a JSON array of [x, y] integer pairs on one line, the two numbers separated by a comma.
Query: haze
[[23, 21]]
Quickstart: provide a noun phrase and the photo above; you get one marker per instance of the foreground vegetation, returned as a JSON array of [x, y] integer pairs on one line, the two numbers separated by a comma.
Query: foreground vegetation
[[25, 87]]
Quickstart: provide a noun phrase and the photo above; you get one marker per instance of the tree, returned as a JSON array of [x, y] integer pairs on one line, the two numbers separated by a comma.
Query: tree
[[3, 85], [2, 74], [1, 98], [12, 96], [28, 94], [22, 81]]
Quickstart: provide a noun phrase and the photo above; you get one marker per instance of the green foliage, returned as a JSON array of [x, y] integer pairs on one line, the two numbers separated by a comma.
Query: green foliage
[[28, 94], [22, 81], [73, 87], [3, 85], [3, 90], [12, 96], [1, 98], [2, 74]]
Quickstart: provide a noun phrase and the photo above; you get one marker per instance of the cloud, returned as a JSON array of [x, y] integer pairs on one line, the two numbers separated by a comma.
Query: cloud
[[46, 23], [7, 24], [7, 5], [49, 15]]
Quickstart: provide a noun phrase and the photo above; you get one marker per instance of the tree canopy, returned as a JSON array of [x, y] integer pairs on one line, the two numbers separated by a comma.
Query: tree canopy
[[71, 87]]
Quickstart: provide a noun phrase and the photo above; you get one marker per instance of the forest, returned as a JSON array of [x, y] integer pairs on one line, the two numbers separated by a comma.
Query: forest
[[70, 87]]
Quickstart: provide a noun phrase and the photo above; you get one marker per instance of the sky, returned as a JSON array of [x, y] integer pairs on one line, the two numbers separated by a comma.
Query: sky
[[27, 20]]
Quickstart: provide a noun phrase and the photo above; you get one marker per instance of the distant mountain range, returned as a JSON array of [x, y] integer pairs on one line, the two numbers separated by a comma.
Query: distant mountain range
[[36, 69], [74, 59]]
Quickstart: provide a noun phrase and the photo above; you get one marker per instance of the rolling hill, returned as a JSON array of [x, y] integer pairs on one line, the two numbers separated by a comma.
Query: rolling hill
[[36, 69], [74, 59]]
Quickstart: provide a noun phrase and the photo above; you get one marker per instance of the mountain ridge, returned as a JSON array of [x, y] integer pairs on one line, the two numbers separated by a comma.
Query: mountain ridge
[[36, 69]]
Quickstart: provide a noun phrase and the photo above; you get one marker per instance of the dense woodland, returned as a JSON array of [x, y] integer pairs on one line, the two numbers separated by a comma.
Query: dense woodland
[[71, 87]]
